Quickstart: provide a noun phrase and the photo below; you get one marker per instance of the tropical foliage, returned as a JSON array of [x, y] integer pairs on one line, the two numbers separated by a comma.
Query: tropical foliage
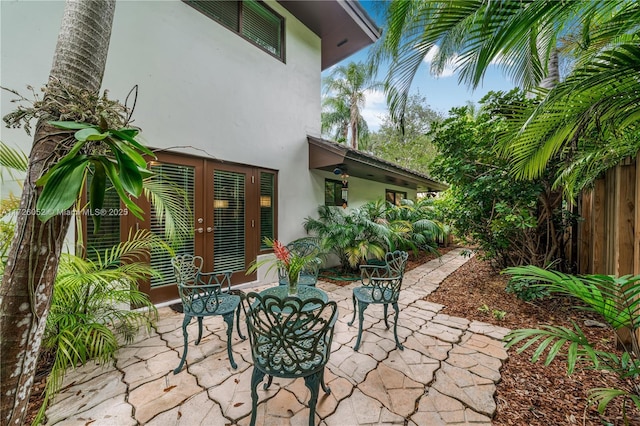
[[90, 314], [616, 300], [11, 160], [513, 222], [288, 261], [91, 309], [374, 229], [99, 140], [588, 113], [345, 95]]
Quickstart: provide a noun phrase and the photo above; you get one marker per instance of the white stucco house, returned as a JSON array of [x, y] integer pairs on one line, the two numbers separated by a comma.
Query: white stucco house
[[229, 99]]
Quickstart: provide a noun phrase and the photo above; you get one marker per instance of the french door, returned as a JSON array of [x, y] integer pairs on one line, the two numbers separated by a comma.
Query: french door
[[232, 209]]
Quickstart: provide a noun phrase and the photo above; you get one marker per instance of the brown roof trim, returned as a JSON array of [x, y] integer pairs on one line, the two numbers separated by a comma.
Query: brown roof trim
[[329, 156], [343, 25]]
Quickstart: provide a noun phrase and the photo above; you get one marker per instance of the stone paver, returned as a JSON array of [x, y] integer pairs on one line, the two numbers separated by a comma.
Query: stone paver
[[79, 398], [446, 375], [162, 394]]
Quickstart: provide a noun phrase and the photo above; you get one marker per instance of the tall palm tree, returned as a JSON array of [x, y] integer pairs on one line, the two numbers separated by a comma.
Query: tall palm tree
[[335, 118], [27, 283], [522, 37], [346, 87]]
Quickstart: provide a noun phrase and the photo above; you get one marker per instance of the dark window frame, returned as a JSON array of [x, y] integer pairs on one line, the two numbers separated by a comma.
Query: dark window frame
[[393, 194], [337, 192], [262, 249], [238, 29]]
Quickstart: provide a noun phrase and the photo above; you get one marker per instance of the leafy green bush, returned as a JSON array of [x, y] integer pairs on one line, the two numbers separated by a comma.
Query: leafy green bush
[[351, 237], [374, 229], [510, 220], [617, 300]]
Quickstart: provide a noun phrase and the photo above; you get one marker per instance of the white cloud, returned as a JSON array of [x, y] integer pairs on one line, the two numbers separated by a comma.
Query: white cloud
[[375, 109], [449, 69]]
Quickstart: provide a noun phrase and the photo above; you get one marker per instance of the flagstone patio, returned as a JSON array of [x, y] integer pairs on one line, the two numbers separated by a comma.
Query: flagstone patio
[[446, 375]]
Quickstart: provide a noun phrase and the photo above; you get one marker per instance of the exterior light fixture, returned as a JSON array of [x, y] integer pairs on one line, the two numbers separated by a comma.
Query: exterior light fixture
[[345, 189]]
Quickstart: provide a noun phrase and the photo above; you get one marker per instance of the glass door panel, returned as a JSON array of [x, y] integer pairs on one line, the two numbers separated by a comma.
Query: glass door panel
[[229, 220], [181, 181]]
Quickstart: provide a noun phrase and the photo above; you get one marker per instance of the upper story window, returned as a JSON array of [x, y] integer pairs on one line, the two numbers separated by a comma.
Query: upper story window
[[251, 19]]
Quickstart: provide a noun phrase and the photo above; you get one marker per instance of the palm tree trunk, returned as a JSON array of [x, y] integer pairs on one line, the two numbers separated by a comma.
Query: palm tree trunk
[[32, 263], [552, 78], [354, 124]]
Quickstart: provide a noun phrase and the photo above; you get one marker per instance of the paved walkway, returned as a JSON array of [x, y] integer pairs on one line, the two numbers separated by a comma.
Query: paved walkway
[[446, 375]]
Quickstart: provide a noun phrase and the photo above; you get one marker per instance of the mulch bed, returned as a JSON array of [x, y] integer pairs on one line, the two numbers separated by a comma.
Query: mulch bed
[[533, 394]]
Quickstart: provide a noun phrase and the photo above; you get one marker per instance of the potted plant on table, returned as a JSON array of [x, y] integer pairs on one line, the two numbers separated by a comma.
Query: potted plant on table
[[289, 263]]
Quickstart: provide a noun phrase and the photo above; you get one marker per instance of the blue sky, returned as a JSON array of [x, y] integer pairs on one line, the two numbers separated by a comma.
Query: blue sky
[[442, 93]]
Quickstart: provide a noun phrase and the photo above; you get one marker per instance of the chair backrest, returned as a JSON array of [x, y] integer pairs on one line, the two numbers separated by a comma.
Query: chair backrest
[[396, 262], [290, 337], [304, 248], [385, 289], [186, 268], [394, 265]]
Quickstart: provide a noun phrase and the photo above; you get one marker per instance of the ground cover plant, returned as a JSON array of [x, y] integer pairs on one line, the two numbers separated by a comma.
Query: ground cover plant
[[615, 300]]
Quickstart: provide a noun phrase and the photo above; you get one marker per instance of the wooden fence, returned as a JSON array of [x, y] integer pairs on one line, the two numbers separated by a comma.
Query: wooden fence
[[609, 232]]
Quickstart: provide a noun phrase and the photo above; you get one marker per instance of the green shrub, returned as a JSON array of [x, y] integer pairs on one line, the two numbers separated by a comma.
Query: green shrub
[[374, 229], [91, 309], [511, 221]]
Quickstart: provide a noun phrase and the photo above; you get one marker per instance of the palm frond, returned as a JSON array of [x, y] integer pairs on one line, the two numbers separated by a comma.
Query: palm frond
[[172, 207], [12, 160], [597, 99]]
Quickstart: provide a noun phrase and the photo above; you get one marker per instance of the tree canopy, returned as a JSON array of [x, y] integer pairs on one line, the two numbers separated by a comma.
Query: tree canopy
[[598, 100]]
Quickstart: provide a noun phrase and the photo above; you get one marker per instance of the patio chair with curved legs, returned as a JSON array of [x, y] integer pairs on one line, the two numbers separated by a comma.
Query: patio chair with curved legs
[[310, 272], [380, 285], [204, 294], [289, 338]]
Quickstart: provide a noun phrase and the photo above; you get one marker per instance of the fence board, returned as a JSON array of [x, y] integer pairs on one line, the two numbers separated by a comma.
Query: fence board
[[626, 219], [585, 206]]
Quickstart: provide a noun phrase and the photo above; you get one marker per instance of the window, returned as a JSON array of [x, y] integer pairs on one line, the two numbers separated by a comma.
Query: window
[[333, 193], [267, 208], [250, 19], [395, 197]]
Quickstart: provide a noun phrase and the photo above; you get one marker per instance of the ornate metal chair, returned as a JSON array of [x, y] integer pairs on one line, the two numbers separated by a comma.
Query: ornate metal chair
[[289, 338], [309, 274], [204, 294], [380, 285]]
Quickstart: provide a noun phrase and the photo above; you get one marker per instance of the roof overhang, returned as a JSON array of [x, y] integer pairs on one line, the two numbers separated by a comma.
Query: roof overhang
[[343, 25], [329, 156]]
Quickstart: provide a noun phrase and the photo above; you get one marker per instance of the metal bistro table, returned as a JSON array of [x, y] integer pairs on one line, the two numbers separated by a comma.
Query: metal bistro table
[[304, 292]]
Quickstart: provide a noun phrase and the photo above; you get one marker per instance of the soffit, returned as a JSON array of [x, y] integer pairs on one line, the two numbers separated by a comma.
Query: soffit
[[343, 25]]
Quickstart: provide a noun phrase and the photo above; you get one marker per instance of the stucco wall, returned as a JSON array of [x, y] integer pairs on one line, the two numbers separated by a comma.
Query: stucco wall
[[203, 90]]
